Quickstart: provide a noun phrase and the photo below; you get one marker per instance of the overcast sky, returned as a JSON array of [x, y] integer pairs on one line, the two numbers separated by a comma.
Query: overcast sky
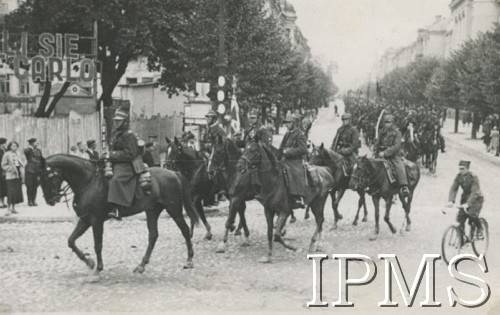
[[354, 33]]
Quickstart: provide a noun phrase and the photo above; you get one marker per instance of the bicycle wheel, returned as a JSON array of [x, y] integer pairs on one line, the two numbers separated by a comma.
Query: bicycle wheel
[[451, 243], [480, 246]]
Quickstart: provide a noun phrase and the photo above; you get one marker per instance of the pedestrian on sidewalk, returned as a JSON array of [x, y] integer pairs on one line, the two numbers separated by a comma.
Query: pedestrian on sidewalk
[[3, 183], [14, 172], [495, 141], [33, 164]]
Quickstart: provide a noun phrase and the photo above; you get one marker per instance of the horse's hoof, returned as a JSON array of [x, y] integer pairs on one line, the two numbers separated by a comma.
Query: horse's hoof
[[188, 265], [364, 220], [408, 228], [237, 233], [90, 263], [373, 237], [265, 260], [221, 248], [283, 233], [293, 220], [355, 223], [139, 269], [340, 217], [306, 216], [232, 228], [208, 237]]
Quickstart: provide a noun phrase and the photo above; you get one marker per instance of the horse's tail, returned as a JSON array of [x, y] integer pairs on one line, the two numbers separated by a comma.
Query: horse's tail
[[188, 201]]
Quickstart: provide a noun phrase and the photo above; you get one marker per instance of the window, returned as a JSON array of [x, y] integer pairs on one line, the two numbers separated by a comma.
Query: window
[[24, 88], [147, 79], [5, 86], [131, 80]]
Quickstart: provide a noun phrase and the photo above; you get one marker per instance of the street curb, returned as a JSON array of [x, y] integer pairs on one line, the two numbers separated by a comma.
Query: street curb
[[209, 212], [472, 152]]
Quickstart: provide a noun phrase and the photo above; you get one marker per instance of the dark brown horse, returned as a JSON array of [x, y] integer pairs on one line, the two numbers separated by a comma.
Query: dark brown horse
[[372, 174], [90, 188], [260, 178], [430, 148], [326, 157], [193, 166]]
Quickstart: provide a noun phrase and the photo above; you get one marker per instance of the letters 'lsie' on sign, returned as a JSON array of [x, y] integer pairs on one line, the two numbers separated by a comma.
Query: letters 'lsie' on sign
[[55, 50]]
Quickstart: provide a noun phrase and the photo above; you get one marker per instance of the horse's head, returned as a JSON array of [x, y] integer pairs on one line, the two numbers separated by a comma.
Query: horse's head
[[362, 169], [251, 158], [51, 180], [318, 155], [179, 155]]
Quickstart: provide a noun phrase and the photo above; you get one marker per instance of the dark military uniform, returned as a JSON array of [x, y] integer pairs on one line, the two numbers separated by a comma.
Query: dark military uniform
[[214, 132], [257, 132], [471, 195], [389, 142], [122, 186], [295, 143], [347, 143], [32, 171]]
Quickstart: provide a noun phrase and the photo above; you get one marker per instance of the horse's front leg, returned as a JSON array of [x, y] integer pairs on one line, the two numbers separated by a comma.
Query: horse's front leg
[[387, 218], [337, 216], [270, 227], [362, 200], [98, 230], [81, 227], [152, 221], [376, 204], [243, 223], [201, 212], [233, 210]]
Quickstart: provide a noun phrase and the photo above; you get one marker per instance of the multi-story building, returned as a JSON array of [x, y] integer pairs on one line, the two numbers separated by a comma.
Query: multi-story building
[[468, 19]]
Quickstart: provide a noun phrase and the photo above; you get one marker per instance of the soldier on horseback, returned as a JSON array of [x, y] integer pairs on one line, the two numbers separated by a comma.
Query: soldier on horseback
[[346, 143], [124, 151], [388, 146], [292, 151], [255, 132], [214, 131]]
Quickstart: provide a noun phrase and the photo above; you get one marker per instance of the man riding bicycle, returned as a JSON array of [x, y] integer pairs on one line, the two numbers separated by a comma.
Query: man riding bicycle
[[471, 200]]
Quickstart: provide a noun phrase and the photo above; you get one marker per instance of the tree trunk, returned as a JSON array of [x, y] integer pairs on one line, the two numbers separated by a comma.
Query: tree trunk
[[57, 98], [475, 125], [264, 115], [40, 111], [457, 118]]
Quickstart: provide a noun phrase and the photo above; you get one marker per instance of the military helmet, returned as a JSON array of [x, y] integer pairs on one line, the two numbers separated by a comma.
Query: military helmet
[[211, 113], [346, 116], [291, 118], [389, 118], [254, 113], [120, 114]]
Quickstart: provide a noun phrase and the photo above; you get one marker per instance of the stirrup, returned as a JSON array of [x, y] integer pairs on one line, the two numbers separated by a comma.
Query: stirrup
[[115, 214]]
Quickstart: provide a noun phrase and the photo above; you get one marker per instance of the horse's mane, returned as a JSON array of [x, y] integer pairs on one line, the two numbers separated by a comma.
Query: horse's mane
[[271, 156], [63, 156], [333, 155]]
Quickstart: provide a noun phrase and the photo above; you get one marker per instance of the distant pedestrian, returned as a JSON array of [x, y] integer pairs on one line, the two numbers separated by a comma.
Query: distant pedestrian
[[82, 150], [495, 141], [3, 183], [147, 157], [74, 150], [91, 150], [33, 164], [13, 167]]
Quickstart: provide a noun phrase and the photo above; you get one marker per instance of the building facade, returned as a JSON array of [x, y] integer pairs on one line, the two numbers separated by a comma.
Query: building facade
[[468, 19]]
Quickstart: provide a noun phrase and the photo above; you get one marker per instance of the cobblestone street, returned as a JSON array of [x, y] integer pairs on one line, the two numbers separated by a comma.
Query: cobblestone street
[[38, 272]]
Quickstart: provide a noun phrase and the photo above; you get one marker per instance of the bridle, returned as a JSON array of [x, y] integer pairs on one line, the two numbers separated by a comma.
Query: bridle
[[61, 191], [368, 182]]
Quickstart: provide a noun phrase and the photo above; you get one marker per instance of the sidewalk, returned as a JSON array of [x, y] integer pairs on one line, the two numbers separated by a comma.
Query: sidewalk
[[462, 140]]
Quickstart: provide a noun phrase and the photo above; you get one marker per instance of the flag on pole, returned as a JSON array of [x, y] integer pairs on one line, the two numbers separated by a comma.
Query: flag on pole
[[235, 114]]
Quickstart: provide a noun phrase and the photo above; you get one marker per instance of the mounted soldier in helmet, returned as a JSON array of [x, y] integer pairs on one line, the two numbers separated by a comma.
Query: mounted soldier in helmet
[[214, 131], [256, 131], [293, 150], [347, 143], [126, 158], [188, 138], [388, 146]]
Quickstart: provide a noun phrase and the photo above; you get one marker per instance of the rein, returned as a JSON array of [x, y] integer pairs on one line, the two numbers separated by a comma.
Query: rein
[[369, 181]]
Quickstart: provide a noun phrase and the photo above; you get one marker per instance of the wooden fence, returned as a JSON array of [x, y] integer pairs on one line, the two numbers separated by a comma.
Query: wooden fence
[[157, 128], [55, 135]]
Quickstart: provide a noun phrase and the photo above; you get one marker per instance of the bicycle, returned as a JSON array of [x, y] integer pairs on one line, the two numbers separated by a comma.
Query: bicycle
[[454, 238]]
